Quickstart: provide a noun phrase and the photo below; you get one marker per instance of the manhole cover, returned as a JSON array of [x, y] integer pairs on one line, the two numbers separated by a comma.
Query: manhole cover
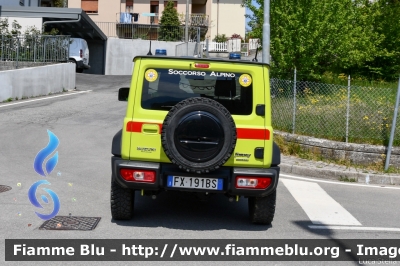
[[4, 188], [71, 223]]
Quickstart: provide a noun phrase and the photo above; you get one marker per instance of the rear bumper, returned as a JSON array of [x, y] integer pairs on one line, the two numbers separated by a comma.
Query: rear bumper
[[81, 65], [163, 170]]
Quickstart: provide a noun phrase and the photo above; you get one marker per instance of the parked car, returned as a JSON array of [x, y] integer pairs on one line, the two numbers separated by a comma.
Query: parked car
[[79, 54], [196, 125]]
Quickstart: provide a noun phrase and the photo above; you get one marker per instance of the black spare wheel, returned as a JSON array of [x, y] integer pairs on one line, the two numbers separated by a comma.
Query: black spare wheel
[[198, 135]]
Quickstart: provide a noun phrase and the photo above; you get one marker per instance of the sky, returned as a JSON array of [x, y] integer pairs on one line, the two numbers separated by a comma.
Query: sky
[[248, 12]]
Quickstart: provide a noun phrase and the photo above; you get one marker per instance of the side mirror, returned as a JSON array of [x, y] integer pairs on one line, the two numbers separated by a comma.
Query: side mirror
[[123, 94]]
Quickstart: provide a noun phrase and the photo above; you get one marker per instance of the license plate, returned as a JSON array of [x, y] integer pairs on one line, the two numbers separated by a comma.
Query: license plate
[[195, 182]]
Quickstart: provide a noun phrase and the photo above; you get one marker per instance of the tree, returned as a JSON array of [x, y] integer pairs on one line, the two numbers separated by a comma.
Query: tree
[[15, 28], [169, 23], [386, 64], [4, 26], [317, 36]]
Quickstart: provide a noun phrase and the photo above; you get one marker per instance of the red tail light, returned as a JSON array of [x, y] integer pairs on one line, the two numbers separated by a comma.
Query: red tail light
[[81, 53], [252, 182], [138, 175], [201, 65]]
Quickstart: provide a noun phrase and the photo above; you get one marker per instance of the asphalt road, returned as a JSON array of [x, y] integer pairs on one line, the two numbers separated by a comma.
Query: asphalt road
[[85, 122]]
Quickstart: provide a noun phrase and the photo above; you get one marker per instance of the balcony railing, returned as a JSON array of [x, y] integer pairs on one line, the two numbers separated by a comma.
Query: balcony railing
[[147, 32], [197, 20], [136, 18]]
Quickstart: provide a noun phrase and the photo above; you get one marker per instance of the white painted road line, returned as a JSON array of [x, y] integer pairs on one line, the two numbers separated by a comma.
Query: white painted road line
[[338, 183], [318, 205], [354, 228], [46, 98]]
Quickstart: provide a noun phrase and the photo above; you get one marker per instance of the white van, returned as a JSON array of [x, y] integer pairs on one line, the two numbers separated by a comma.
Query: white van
[[79, 54]]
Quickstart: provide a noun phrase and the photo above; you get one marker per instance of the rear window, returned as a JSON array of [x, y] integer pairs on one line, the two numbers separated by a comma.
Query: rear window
[[163, 88]]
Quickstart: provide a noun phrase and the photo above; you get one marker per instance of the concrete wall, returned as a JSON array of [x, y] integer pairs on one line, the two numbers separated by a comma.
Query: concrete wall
[[120, 53], [36, 81], [360, 154]]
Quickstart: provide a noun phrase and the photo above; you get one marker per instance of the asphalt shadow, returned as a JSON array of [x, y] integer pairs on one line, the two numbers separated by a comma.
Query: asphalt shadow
[[191, 211], [329, 235]]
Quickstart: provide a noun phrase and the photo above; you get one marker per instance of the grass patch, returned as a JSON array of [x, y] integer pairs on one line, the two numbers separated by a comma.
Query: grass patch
[[321, 111], [346, 179], [8, 100]]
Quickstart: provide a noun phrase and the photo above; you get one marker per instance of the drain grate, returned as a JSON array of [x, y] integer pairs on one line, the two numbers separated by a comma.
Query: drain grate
[[71, 223], [4, 188]]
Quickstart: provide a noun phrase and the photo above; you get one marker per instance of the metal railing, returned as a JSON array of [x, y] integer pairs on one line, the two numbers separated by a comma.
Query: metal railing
[[147, 32], [199, 20], [128, 18], [32, 50], [233, 45], [195, 19], [357, 114], [244, 49]]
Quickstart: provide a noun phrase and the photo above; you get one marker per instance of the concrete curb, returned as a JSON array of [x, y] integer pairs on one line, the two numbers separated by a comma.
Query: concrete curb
[[293, 165]]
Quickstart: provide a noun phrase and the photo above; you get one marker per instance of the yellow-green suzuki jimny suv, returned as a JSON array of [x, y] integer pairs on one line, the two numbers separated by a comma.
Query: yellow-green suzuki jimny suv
[[196, 125]]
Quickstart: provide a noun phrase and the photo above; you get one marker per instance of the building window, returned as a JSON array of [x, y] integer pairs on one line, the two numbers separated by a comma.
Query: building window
[[90, 6], [154, 5], [129, 6]]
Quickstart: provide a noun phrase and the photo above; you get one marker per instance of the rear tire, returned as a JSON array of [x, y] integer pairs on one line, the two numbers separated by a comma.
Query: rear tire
[[262, 209], [77, 70], [122, 202]]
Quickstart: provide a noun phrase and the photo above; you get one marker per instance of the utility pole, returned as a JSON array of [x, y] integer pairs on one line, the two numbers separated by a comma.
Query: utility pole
[[187, 22], [266, 34]]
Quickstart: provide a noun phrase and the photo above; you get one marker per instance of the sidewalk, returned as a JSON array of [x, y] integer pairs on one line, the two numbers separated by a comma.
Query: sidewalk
[[306, 168]]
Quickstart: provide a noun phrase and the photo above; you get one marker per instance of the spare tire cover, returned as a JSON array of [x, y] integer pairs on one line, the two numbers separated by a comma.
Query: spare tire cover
[[198, 135]]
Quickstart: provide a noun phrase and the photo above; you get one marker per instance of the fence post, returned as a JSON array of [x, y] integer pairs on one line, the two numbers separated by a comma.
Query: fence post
[[34, 48], [69, 42], [198, 43], [44, 50], [2, 46], [348, 108], [396, 108], [17, 51], [294, 101], [207, 54]]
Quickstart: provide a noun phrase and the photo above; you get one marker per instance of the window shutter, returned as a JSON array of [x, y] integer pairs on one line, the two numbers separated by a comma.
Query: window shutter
[[91, 6]]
